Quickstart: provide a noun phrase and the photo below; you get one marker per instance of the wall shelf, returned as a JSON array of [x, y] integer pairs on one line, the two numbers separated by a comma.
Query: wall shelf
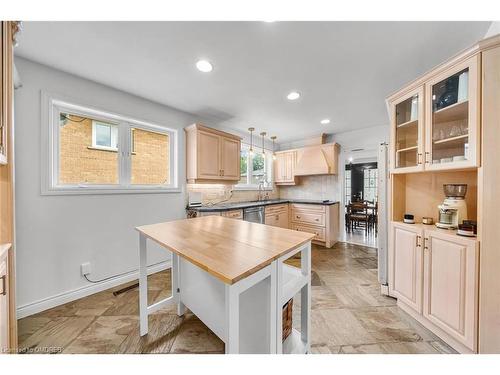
[[457, 139], [407, 124], [407, 149], [454, 112]]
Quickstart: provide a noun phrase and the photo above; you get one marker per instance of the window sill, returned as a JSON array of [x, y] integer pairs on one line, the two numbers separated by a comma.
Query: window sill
[[97, 148], [110, 190]]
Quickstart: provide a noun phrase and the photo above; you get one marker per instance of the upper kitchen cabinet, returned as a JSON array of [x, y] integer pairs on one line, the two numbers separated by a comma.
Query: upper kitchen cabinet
[[452, 137], [435, 120], [284, 167], [213, 156], [407, 121]]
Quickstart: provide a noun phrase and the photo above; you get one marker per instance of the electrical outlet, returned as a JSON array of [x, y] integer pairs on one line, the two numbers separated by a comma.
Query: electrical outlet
[[85, 268]]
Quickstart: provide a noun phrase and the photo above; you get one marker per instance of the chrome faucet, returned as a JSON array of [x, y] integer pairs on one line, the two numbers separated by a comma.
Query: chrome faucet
[[261, 196]]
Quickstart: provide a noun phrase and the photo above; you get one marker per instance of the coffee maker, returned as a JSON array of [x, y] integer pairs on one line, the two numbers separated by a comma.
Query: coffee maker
[[453, 210]]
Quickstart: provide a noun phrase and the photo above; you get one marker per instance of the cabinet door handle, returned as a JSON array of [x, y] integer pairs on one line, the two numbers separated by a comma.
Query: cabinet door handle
[[416, 241], [4, 287], [426, 160], [419, 158], [317, 219], [297, 217], [222, 172], [426, 246]]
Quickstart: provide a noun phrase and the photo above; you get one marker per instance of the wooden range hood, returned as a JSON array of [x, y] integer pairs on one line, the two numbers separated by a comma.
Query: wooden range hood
[[317, 160]]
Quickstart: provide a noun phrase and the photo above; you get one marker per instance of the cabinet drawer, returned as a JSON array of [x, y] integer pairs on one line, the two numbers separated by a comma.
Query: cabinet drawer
[[308, 207], [308, 217], [318, 231], [210, 214], [276, 209], [234, 214]]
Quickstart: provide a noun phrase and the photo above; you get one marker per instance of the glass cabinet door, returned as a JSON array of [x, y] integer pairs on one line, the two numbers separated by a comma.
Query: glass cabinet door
[[407, 122], [452, 133]]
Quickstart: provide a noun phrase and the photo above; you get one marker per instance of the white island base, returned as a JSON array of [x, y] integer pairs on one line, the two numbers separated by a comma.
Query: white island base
[[246, 315]]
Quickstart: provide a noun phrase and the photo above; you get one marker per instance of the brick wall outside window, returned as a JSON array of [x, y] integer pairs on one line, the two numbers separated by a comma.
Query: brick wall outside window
[[80, 163]]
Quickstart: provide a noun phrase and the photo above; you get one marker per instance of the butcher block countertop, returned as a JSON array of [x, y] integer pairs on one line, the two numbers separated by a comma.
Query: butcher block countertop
[[226, 248]]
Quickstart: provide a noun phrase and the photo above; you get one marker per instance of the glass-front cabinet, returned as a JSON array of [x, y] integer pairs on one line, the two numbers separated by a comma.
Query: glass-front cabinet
[[407, 132], [435, 126], [452, 131]]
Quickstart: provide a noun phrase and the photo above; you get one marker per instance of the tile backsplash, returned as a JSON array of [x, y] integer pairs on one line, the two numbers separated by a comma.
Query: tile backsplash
[[217, 193], [308, 187], [313, 187]]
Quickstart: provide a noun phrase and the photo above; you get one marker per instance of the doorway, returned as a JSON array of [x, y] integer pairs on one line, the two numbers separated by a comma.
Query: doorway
[[361, 203]]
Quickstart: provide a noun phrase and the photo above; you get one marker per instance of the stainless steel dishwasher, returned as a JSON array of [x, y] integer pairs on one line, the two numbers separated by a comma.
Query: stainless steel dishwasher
[[254, 214]]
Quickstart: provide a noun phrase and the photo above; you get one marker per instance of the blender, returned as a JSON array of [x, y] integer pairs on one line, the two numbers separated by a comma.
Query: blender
[[454, 208]]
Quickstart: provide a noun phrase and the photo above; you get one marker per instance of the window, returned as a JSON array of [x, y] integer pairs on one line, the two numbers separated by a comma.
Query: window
[[370, 184], [347, 186], [90, 151], [104, 135], [255, 169]]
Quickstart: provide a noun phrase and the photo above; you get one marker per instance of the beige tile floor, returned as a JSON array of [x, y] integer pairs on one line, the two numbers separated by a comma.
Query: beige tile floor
[[348, 316]]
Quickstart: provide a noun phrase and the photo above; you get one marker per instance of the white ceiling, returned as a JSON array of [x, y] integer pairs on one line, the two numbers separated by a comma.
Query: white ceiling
[[344, 70]]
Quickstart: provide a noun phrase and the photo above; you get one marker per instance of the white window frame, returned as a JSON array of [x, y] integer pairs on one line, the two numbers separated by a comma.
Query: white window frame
[[53, 105], [113, 133], [268, 169]]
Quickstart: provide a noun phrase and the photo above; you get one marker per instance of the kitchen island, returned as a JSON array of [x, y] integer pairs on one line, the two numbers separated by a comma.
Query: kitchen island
[[232, 275]]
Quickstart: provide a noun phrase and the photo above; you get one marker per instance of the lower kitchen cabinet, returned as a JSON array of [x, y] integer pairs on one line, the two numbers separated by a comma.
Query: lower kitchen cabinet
[[434, 275], [233, 214], [277, 215], [406, 265], [4, 299], [451, 285], [321, 220]]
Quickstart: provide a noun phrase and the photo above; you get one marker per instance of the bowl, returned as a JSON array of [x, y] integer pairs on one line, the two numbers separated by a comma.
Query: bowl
[[455, 190]]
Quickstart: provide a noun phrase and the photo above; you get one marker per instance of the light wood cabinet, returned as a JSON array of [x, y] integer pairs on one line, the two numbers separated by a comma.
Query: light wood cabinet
[[233, 214], [8, 323], [459, 138], [230, 158], [434, 273], [435, 124], [451, 285], [407, 129], [405, 259], [212, 156], [284, 168], [277, 215], [322, 220], [4, 302]]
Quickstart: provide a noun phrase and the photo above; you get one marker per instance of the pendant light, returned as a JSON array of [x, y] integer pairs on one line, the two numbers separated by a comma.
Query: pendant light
[[273, 138], [263, 134], [251, 130]]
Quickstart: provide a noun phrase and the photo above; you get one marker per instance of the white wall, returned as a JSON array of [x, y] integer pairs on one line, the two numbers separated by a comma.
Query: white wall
[[55, 234], [494, 29]]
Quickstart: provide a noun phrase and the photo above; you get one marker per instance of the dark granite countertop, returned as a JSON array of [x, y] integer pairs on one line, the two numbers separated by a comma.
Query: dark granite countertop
[[241, 205]]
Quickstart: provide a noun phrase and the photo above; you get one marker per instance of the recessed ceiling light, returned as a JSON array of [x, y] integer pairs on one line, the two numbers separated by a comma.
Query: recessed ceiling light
[[294, 95], [325, 121], [204, 66]]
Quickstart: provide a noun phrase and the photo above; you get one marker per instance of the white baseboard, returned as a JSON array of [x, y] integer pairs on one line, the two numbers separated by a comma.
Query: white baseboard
[[384, 290], [72, 295]]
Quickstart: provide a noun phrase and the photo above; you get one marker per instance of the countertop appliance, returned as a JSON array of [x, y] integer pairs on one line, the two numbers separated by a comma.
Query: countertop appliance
[[454, 208], [254, 214]]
